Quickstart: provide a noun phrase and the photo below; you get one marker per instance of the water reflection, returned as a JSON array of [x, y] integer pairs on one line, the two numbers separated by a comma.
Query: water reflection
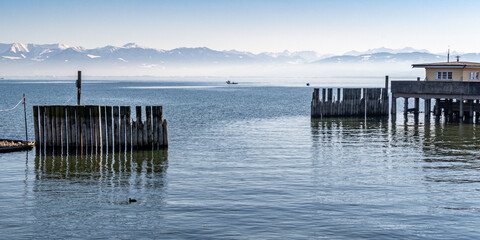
[[113, 176], [447, 153]]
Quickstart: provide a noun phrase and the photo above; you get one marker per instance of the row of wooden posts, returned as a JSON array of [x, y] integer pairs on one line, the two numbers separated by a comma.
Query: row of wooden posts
[[91, 129], [349, 102]]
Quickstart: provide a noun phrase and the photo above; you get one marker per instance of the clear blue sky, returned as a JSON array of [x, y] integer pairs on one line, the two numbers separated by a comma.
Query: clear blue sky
[[327, 26]]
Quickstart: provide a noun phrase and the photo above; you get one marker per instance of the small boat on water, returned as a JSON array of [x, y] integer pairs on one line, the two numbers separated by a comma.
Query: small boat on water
[[228, 82], [308, 84]]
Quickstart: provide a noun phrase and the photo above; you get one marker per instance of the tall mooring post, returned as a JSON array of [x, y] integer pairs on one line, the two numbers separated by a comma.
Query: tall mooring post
[[79, 87], [25, 114]]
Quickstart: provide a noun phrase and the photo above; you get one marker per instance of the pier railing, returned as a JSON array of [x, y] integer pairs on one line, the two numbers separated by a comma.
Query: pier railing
[[93, 129], [349, 102]]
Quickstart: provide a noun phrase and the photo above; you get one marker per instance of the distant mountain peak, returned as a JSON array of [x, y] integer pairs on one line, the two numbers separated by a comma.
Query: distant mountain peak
[[19, 47], [131, 45], [386, 50]]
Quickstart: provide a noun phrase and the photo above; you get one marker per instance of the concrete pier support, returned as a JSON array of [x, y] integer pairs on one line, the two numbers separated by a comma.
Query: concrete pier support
[[470, 111], [405, 109], [427, 103], [461, 111], [437, 110], [416, 105]]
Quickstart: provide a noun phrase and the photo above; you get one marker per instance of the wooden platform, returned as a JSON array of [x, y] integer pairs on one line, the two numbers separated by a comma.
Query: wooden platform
[[7, 145]]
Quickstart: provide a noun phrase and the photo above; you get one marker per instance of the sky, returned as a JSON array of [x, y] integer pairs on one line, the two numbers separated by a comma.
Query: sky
[[324, 26]]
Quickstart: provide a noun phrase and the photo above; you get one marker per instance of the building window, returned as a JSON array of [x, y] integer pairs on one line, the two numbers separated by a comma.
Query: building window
[[474, 75], [444, 76]]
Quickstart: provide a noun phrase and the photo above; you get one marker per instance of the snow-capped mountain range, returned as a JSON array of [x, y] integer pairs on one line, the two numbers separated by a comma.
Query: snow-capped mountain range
[[132, 53], [18, 59]]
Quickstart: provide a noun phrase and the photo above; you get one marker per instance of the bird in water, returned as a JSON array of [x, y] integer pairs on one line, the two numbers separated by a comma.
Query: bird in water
[[130, 200]]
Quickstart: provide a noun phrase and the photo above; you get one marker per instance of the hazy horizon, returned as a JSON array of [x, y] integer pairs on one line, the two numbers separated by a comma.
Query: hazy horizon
[[332, 27]]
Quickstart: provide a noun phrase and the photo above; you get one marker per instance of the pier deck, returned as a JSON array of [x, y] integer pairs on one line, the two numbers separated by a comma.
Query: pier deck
[[455, 99]]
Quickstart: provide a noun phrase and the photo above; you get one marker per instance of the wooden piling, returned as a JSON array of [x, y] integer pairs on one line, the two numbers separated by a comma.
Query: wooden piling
[[35, 126], [138, 112], [128, 126], [134, 135], [154, 127], [165, 133], [48, 126], [160, 127], [148, 112], [122, 128], [109, 128], [98, 128], [83, 129], [42, 127], [71, 128], [116, 129], [104, 127], [68, 128], [88, 125], [63, 121]]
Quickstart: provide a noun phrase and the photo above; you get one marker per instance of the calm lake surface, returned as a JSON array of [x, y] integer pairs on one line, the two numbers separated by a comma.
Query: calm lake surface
[[244, 162]]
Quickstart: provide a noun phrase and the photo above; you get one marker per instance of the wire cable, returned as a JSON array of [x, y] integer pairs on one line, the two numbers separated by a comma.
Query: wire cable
[[10, 109]]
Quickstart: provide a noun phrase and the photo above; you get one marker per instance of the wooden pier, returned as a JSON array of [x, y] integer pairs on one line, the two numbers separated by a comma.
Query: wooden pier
[[92, 129], [350, 102]]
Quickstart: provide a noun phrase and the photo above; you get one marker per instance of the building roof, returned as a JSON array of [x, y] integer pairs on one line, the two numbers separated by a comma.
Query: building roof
[[448, 65]]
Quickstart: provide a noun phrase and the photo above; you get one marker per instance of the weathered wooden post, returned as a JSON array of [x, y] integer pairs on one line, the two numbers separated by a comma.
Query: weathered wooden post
[[138, 112], [89, 125], [154, 126], [116, 129], [42, 126], [63, 127], [58, 128], [109, 128], [405, 109], [35, 126], [165, 133], [148, 112], [48, 127], [83, 128], [122, 128], [25, 114], [79, 87], [104, 128], [73, 128], [128, 128]]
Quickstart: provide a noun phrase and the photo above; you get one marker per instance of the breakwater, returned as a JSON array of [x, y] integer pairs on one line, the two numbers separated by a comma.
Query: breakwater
[[93, 129], [349, 102]]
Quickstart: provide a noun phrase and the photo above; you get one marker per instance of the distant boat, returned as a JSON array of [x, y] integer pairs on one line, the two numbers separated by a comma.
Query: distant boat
[[308, 84], [228, 82]]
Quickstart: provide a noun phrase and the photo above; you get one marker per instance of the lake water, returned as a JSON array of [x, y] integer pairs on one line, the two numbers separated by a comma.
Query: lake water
[[244, 162]]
